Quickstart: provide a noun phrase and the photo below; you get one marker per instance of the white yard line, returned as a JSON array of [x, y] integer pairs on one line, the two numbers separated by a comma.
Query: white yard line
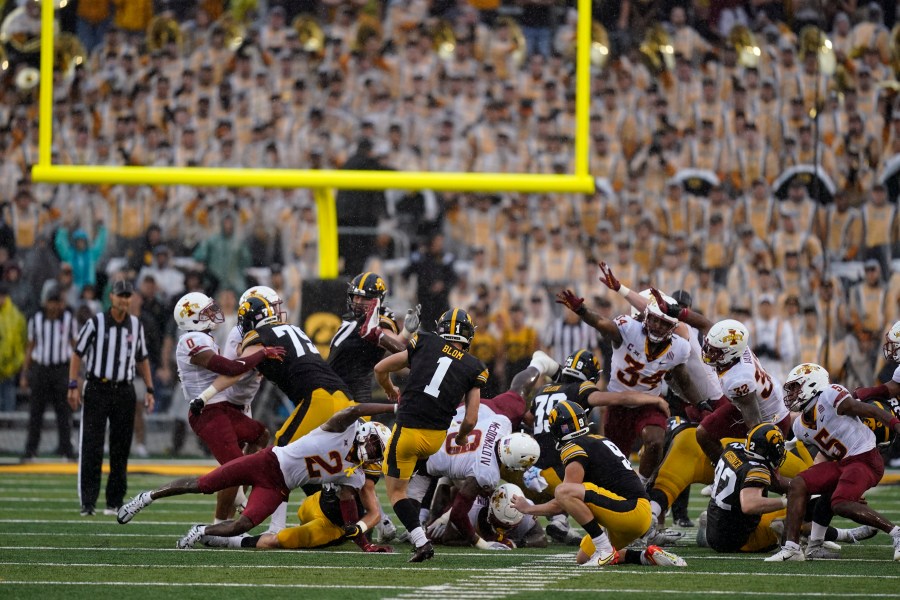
[[307, 586]]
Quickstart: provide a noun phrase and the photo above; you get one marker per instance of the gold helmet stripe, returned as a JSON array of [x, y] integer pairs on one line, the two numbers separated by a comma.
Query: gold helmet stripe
[[571, 412], [575, 359], [453, 321], [362, 282]]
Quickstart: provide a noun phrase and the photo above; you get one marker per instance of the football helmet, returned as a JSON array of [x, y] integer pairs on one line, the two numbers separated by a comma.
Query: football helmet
[[582, 366], [270, 295], [255, 312], [196, 311], [371, 441], [518, 451], [803, 384], [766, 443], [658, 325], [891, 347], [364, 288], [884, 435], [725, 343], [455, 325], [503, 514], [567, 421]]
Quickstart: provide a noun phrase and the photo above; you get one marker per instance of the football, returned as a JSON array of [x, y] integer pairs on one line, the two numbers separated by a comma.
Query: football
[[501, 505]]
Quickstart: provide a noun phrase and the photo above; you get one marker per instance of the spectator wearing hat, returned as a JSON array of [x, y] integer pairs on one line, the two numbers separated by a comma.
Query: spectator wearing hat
[[81, 253], [12, 348], [20, 290], [112, 349], [51, 335]]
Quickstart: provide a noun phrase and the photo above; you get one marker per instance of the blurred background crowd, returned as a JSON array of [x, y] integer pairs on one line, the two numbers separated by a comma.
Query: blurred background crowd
[[747, 152]]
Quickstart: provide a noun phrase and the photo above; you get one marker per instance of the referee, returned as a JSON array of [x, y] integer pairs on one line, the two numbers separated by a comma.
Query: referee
[[51, 332], [111, 344]]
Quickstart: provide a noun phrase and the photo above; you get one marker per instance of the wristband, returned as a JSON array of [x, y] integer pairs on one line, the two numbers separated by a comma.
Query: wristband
[[482, 545], [624, 290], [784, 501], [73, 384], [362, 526], [208, 393], [150, 390]]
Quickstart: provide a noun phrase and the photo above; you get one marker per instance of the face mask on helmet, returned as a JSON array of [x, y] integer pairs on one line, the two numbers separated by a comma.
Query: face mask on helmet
[[712, 355], [365, 290], [371, 441], [255, 312], [657, 326], [197, 312], [270, 296], [804, 383], [766, 442], [891, 347], [581, 366], [455, 325], [725, 343]]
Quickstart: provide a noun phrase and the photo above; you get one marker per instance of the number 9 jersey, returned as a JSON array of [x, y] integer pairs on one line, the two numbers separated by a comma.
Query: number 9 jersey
[[633, 368], [440, 375]]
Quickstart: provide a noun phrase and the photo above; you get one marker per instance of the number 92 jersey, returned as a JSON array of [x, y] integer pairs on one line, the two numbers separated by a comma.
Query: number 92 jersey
[[729, 525], [633, 369], [302, 369], [604, 465], [747, 376], [440, 375], [544, 402], [477, 457]]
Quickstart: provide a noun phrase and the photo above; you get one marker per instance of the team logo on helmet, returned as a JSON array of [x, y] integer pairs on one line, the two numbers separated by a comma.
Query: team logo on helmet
[[189, 309]]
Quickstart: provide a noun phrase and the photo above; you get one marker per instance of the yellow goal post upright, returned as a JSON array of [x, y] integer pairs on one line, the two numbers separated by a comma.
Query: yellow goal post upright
[[323, 182]]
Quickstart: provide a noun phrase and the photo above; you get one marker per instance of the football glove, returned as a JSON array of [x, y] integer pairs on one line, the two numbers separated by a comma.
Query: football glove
[[438, 527], [483, 544], [412, 320], [571, 301], [352, 530], [274, 352], [534, 480], [197, 405], [672, 310], [608, 279], [377, 548]]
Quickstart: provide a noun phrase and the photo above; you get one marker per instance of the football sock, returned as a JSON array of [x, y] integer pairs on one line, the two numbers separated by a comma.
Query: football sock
[[418, 537], [245, 542], [279, 518], [655, 510], [602, 543], [791, 546], [895, 532], [408, 513], [593, 528], [634, 557], [837, 535], [817, 532]]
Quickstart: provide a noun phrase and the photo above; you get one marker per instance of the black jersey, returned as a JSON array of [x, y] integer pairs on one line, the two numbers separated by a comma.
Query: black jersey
[[604, 465], [544, 402], [440, 375], [354, 358], [727, 527], [302, 369]]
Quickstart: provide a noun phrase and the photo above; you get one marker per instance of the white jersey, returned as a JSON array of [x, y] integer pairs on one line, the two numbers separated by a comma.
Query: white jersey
[[632, 369], [747, 376], [194, 378], [243, 391], [896, 376], [838, 436], [320, 457], [703, 375], [477, 458]]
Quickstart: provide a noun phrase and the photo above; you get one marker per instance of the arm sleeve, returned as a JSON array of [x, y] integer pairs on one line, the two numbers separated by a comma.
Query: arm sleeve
[[459, 516], [223, 366]]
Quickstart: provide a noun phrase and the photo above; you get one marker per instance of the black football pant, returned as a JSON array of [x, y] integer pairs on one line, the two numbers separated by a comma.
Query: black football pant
[[102, 403], [49, 386]]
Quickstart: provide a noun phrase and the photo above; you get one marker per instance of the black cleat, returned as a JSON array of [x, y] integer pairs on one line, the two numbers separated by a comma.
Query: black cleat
[[422, 553]]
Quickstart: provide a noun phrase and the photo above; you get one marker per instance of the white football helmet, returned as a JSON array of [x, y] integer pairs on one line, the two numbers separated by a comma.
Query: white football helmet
[[891, 347], [725, 342], [502, 510], [658, 325], [371, 441], [804, 383], [196, 311], [518, 451], [270, 296]]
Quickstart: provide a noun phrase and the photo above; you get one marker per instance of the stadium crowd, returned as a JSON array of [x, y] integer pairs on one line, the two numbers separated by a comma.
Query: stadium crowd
[[193, 84]]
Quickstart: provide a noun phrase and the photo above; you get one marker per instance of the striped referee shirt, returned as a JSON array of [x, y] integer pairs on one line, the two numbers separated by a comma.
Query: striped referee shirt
[[566, 339], [52, 338], [110, 350]]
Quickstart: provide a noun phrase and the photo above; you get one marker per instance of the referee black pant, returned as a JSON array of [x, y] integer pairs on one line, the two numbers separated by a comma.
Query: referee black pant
[[49, 385], [105, 402]]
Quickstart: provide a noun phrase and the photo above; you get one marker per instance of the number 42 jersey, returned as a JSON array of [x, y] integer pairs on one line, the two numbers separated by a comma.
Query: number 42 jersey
[[440, 375]]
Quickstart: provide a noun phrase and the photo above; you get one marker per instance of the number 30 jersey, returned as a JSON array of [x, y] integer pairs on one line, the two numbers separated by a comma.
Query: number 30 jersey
[[440, 375], [477, 458], [633, 370], [544, 402], [320, 457], [302, 369], [838, 436], [746, 376]]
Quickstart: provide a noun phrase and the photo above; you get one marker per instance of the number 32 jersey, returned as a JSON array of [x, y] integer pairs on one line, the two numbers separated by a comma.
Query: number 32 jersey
[[633, 370], [440, 375], [838, 436], [746, 376]]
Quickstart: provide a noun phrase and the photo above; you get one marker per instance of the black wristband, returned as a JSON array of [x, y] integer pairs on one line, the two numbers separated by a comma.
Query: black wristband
[[149, 390], [73, 384], [581, 310]]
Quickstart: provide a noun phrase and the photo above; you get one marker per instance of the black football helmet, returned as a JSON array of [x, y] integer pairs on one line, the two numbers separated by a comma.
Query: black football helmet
[[567, 421], [255, 312], [581, 366], [455, 325], [364, 287], [884, 435], [766, 442]]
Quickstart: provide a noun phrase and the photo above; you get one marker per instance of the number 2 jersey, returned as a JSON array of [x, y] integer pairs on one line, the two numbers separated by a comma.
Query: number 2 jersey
[[544, 402], [604, 465], [747, 376], [838, 436], [321, 457], [302, 369], [194, 378], [633, 369], [478, 456], [440, 375], [728, 528]]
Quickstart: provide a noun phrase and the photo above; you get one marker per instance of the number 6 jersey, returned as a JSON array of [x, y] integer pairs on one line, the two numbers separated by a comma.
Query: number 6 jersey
[[440, 375], [633, 369]]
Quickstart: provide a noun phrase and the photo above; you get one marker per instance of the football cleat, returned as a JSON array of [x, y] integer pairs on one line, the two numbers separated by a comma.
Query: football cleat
[[706, 491], [111, 511], [543, 363], [659, 557], [216, 541], [896, 540], [701, 531], [601, 558], [856, 535], [786, 554], [817, 550], [388, 530], [422, 553], [87, 510], [191, 538], [561, 532], [684, 522], [128, 510], [660, 537]]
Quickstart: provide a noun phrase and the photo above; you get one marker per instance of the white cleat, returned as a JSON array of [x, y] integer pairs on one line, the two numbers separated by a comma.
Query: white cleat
[[856, 535], [819, 551], [191, 538], [701, 531], [897, 547], [388, 530], [661, 537], [128, 510], [659, 557], [542, 362], [601, 558], [786, 554]]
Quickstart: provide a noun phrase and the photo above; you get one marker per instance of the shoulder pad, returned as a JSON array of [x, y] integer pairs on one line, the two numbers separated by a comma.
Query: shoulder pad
[[570, 452], [251, 337]]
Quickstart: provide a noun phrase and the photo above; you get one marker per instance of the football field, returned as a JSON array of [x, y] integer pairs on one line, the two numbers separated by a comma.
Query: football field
[[49, 551]]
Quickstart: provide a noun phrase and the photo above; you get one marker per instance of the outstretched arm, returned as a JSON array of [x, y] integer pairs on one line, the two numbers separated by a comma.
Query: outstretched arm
[[627, 399], [606, 327], [891, 389], [862, 410], [346, 417]]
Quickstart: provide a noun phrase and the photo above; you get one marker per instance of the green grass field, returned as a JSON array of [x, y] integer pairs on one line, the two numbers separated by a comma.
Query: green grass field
[[49, 551]]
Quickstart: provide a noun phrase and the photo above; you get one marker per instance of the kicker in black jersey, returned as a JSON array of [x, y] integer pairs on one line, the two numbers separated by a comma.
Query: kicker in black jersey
[[544, 402]]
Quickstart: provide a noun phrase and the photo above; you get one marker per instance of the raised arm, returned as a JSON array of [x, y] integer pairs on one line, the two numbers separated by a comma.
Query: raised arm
[[341, 420], [606, 327]]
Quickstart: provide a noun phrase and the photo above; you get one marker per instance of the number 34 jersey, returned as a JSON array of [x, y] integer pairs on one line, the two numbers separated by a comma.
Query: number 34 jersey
[[302, 369], [633, 369], [320, 457], [477, 457], [838, 436], [747, 376], [440, 375]]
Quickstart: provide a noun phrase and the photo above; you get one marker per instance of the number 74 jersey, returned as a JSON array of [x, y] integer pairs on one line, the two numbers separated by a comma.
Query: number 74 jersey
[[633, 369], [838, 436]]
